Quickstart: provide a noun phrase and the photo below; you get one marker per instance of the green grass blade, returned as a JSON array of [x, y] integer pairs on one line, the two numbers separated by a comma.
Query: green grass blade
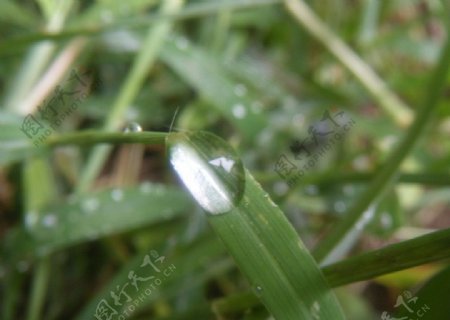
[[97, 215], [255, 231], [429, 248], [388, 173], [432, 299], [132, 84], [204, 72], [391, 104]]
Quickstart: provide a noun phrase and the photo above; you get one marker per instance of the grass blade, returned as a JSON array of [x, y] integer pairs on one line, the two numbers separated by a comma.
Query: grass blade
[[255, 231]]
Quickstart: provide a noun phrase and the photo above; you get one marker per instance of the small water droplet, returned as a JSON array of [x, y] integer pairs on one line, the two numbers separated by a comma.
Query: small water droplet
[[90, 205], [50, 220], [182, 43], [258, 290], [386, 220], [239, 111], [31, 218], [146, 187], [240, 90], [209, 168], [340, 206], [315, 310], [133, 127], [312, 190], [280, 188], [117, 195]]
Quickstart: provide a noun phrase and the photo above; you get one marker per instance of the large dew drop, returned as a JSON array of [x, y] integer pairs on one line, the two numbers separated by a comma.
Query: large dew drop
[[209, 168]]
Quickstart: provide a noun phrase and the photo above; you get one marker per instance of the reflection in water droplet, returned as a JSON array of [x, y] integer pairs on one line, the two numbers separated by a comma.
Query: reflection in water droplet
[[240, 90], [90, 205], [239, 111], [216, 181], [117, 195], [50, 220], [133, 127]]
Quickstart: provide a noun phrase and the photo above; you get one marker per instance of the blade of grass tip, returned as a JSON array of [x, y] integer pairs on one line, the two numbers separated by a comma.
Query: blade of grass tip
[[387, 100], [255, 231], [357, 217], [38, 56], [428, 248], [131, 87]]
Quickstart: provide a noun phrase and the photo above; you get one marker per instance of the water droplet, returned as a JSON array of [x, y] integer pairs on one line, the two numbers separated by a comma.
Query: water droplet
[[280, 188], [315, 310], [209, 168], [90, 205], [50, 220], [146, 187], [239, 111], [240, 90], [133, 127], [340, 206], [117, 195], [312, 190], [386, 220], [182, 43], [31, 219], [258, 290]]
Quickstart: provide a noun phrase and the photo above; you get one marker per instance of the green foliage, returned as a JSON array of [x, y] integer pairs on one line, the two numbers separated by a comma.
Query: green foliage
[[87, 205]]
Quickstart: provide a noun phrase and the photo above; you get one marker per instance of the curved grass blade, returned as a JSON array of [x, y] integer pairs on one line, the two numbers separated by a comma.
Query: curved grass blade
[[255, 231], [94, 216]]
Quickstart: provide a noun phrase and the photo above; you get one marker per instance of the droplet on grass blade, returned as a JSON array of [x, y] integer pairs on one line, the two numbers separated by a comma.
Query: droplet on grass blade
[[133, 127], [209, 168]]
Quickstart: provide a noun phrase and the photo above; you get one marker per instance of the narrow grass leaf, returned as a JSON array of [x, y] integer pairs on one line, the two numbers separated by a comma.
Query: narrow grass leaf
[[255, 231]]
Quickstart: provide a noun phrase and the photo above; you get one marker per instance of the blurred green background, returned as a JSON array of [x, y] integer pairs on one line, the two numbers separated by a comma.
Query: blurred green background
[[75, 221]]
